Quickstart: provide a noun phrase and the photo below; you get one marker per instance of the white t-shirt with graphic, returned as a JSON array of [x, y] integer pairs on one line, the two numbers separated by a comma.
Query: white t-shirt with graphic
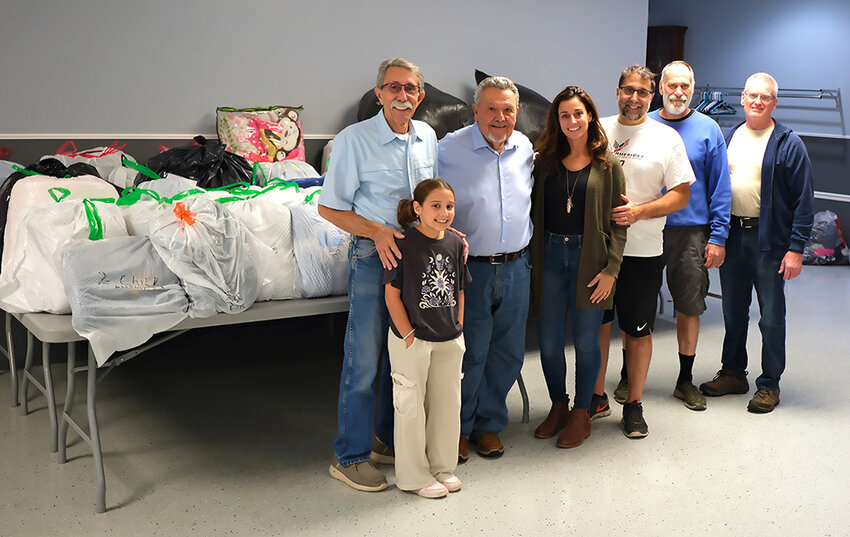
[[654, 160]]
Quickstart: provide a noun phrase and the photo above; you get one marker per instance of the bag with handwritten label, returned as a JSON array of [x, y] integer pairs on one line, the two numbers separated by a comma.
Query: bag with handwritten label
[[121, 293]]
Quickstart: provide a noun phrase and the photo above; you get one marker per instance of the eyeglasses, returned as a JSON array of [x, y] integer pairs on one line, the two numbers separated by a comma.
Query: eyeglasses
[[629, 91], [753, 96], [395, 87]]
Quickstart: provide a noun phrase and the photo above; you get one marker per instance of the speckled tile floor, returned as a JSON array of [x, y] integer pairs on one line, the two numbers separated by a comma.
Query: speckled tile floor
[[238, 443]]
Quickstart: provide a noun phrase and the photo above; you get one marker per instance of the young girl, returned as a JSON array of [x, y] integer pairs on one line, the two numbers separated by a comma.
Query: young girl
[[424, 296]]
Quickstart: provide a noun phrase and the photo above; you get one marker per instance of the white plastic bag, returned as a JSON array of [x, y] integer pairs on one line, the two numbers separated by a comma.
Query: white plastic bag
[[205, 246], [141, 207], [121, 293], [169, 186], [42, 189], [321, 253], [105, 159], [269, 235], [32, 279], [288, 170]]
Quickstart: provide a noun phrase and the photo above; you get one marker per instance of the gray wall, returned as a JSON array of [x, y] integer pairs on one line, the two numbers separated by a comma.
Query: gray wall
[[159, 68], [802, 44]]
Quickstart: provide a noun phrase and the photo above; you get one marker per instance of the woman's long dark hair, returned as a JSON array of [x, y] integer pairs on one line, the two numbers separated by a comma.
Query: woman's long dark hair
[[553, 145]]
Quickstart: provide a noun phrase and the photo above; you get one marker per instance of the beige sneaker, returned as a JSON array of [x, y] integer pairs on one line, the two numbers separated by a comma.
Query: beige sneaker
[[381, 453], [360, 476]]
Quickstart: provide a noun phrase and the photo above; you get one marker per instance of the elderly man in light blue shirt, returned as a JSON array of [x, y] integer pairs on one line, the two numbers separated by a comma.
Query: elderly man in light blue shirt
[[374, 164], [489, 166]]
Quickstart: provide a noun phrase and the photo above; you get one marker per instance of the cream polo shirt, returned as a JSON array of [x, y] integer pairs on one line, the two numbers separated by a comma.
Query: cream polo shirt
[[746, 153]]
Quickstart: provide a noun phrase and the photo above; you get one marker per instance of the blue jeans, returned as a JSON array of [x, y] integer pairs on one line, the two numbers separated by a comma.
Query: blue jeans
[[560, 272], [496, 309], [365, 347], [743, 269]]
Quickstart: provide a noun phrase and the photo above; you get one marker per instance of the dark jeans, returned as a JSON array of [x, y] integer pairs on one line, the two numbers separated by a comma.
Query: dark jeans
[[496, 309], [560, 271], [744, 269]]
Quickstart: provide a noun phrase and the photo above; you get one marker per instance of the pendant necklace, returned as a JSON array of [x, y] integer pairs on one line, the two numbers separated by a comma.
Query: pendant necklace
[[571, 191]]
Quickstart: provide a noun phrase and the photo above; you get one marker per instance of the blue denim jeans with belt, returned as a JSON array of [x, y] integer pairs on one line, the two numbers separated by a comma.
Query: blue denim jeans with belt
[[560, 273], [365, 348], [496, 310], [743, 269]]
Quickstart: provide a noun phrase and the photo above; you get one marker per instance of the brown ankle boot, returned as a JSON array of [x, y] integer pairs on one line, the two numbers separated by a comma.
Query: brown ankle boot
[[554, 422], [576, 429]]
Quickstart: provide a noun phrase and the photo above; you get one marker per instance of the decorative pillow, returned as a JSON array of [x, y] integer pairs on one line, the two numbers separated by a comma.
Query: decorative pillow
[[269, 134]]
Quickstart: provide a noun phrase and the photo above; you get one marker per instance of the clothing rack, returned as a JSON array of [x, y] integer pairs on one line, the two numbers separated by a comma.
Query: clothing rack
[[783, 92]]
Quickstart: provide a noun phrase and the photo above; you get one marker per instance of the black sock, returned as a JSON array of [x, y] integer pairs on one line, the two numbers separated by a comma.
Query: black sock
[[624, 374], [686, 368]]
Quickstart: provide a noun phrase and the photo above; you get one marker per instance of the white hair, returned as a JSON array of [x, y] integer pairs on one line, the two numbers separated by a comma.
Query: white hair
[[499, 82], [764, 77]]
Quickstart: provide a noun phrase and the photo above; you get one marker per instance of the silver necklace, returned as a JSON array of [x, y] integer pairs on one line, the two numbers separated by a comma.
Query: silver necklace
[[571, 191]]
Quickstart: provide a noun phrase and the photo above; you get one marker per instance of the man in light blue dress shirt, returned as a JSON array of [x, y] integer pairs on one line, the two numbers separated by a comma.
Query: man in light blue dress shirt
[[374, 164], [489, 166]]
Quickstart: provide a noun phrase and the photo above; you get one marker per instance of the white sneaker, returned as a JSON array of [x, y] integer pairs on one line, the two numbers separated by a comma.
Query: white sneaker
[[433, 491], [452, 483]]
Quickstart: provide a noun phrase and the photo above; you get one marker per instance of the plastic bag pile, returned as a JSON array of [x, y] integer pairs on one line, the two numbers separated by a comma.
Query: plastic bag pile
[[128, 266]]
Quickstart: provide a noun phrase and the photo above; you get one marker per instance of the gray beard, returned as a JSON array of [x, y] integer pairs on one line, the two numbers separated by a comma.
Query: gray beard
[[674, 108]]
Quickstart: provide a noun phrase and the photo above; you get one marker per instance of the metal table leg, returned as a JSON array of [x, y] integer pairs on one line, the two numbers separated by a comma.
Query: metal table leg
[[46, 388], [22, 396], [70, 390], [92, 438], [10, 353], [524, 393], [100, 502]]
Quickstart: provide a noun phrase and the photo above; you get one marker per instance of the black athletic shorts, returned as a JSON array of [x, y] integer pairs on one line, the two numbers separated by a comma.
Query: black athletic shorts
[[636, 297]]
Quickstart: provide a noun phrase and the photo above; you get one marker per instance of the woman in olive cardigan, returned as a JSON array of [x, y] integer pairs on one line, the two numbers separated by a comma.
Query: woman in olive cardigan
[[576, 253]]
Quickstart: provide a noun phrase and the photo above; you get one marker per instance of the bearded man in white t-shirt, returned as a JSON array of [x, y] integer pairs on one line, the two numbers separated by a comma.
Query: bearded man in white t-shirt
[[658, 179]]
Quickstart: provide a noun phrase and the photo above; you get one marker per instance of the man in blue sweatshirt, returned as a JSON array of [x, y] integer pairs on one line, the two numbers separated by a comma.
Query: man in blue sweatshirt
[[772, 198], [694, 237]]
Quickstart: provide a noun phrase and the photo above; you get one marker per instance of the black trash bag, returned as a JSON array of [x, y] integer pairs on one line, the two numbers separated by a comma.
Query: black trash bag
[[531, 119], [46, 166], [207, 163], [443, 112]]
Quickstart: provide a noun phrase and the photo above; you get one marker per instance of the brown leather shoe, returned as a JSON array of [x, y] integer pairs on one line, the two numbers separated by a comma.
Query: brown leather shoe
[[576, 430], [724, 383], [554, 422], [763, 401], [489, 445], [462, 450]]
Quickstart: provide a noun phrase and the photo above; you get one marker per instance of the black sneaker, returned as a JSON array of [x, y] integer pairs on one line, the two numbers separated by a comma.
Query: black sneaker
[[634, 425], [599, 407]]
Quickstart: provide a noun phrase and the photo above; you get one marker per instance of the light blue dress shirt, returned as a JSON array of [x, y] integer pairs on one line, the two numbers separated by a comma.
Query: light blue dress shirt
[[372, 168], [492, 190]]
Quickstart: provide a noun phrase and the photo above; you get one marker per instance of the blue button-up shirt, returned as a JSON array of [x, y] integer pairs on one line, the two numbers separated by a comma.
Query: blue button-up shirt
[[492, 190], [372, 168]]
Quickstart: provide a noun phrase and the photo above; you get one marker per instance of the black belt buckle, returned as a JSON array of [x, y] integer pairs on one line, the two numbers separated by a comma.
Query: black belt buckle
[[746, 222]]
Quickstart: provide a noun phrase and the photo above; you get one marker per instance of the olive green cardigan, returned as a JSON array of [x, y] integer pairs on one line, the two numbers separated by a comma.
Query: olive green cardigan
[[603, 241]]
